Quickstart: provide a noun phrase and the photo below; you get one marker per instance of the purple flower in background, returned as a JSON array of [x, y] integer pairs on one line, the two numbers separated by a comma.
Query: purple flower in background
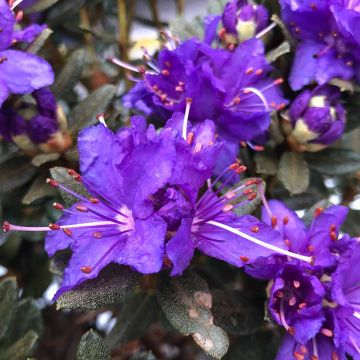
[[241, 21], [40, 131], [240, 105], [328, 37], [20, 72], [317, 117]]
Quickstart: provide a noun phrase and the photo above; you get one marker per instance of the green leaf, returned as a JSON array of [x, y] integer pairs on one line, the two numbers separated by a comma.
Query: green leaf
[[44, 158], [236, 312], [144, 355], [216, 6], [39, 42], [184, 29], [293, 172], [70, 74], [21, 349], [59, 262], [84, 114], [262, 345], [92, 347], [41, 5], [110, 287], [352, 223], [21, 322], [249, 207], [186, 302], [334, 161], [135, 317], [266, 162], [61, 176], [14, 173], [38, 190]]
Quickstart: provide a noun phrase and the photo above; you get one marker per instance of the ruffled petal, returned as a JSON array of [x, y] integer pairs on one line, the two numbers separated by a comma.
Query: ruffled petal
[[23, 73], [7, 23], [180, 249]]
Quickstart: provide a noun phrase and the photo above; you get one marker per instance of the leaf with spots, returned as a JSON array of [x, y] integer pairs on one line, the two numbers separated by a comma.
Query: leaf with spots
[[186, 301], [92, 347], [111, 286]]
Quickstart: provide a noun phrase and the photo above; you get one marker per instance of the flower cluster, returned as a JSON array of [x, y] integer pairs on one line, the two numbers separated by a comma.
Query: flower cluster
[[328, 38], [156, 196], [316, 304]]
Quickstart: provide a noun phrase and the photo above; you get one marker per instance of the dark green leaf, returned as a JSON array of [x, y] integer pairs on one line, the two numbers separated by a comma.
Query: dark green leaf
[[92, 347], [59, 262], [294, 172], [145, 355], [334, 161], [186, 302], [65, 8], [14, 173], [135, 317], [236, 312], [61, 176], [41, 5], [84, 114], [38, 190], [266, 162], [70, 74], [20, 322], [44, 158], [22, 348], [259, 346], [352, 223], [110, 287]]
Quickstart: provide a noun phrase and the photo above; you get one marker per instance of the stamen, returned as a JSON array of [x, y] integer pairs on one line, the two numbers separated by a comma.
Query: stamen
[[288, 328], [259, 95], [266, 245], [265, 30], [10, 227], [101, 119], [124, 65], [327, 332], [186, 117]]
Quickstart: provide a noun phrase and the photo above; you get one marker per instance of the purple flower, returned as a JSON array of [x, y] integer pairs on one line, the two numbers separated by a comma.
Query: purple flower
[[241, 21], [321, 346], [145, 211], [327, 47], [20, 72], [346, 294], [296, 302], [240, 106], [315, 241], [317, 117]]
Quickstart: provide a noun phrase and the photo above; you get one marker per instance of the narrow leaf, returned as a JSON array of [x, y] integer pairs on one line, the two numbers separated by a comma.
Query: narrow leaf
[[92, 347]]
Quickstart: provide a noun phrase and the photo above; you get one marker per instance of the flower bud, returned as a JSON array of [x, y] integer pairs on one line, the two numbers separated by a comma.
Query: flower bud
[[242, 20], [317, 118]]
